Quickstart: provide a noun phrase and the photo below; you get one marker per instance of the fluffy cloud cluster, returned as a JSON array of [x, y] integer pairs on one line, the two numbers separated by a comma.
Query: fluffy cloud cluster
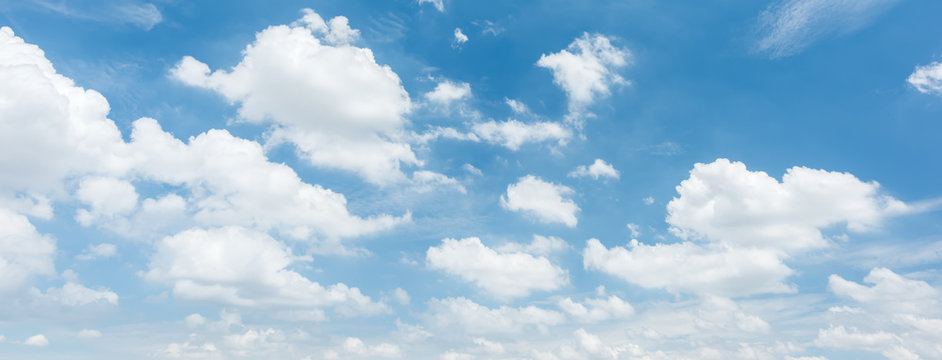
[[236, 266], [586, 70], [331, 100], [739, 226], [504, 275], [548, 202]]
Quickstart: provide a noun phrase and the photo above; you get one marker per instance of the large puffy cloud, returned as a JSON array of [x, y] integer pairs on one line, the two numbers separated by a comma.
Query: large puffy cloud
[[45, 116], [502, 274], [548, 202], [233, 183], [789, 26], [24, 252], [228, 180], [586, 70], [723, 202], [241, 267], [927, 78], [335, 103], [739, 227]]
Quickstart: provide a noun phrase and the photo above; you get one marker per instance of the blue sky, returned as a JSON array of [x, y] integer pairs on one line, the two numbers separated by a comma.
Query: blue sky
[[448, 179]]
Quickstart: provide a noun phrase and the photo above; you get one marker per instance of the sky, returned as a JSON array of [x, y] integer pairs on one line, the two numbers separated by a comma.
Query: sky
[[452, 179]]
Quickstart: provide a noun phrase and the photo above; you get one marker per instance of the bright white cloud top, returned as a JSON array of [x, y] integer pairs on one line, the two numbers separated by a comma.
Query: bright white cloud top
[[548, 202], [269, 181]]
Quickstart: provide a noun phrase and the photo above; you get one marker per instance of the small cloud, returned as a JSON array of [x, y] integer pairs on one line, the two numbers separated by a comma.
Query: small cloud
[[927, 79], [36, 340], [472, 170], [598, 169], [635, 229], [447, 92], [489, 27], [100, 251], [460, 38], [667, 148], [648, 200], [438, 4], [517, 106]]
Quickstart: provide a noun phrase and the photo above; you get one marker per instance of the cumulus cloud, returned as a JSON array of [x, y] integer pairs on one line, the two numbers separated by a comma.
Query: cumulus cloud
[[504, 275], [241, 267], [586, 70], [424, 181], [741, 225], [598, 169], [72, 294], [24, 252], [470, 317], [334, 103], [927, 78], [789, 26], [548, 202], [38, 340], [513, 133], [447, 92], [106, 198], [595, 310]]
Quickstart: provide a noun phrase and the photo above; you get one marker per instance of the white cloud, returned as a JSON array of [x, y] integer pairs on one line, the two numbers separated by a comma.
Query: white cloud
[[595, 310], [687, 267], [741, 225], [334, 103], [586, 70], [512, 133], [100, 251], [73, 294], [634, 229], [541, 246], [598, 169], [548, 202], [504, 275], [467, 316], [337, 31], [890, 293], [241, 267], [472, 170], [438, 4], [927, 78], [789, 26], [231, 182], [141, 14], [724, 203], [356, 346], [517, 106], [24, 253], [447, 92], [648, 200], [88, 334], [424, 181], [38, 340], [460, 38], [401, 296]]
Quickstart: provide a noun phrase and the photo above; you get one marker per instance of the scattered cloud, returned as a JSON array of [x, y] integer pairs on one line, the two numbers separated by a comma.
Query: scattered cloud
[[787, 27], [460, 38], [598, 169], [38, 340], [447, 92], [513, 134], [502, 274], [438, 4], [927, 79], [333, 102], [586, 70], [100, 251], [548, 202]]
